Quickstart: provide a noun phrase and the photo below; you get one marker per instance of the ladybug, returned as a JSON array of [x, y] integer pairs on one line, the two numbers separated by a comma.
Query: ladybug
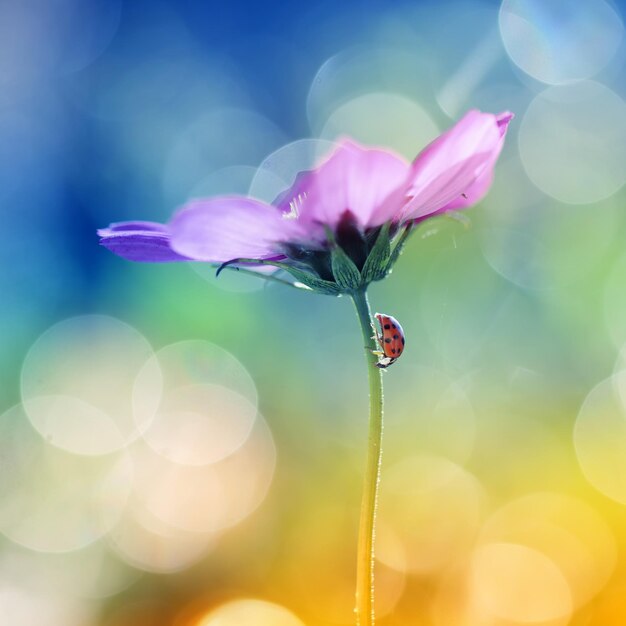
[[391, 339]]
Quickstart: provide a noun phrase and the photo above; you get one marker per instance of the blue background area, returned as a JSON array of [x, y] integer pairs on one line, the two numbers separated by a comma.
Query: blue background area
[[275, 47]]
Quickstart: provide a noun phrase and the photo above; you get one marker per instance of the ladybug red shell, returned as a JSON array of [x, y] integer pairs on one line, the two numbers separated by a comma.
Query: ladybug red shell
[[391, 339]]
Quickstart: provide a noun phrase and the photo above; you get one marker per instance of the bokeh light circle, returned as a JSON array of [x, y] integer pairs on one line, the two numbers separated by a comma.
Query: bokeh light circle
[[382, 119], [42, 37], [54, 501], [250, 612], [400, 69], [229, 180], [517, 583], [470, 592], [206, 498], [94, 572], [200, 424], [572, 142], [207, 402], [516, 255], [278, 170], [192, 362], [570, 533], [434, 507], [145, 543], [21, 606], [220, 138], [558, 41], [600, 437], [77, 384]]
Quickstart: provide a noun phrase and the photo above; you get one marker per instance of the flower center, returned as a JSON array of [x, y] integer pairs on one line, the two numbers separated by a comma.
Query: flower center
[[294, 207]]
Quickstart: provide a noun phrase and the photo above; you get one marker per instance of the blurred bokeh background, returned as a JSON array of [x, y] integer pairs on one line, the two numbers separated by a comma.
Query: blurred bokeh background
[[184, 451]]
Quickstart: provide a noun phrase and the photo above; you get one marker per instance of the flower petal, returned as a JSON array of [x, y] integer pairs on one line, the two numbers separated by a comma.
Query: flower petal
[[478, 190], [352, 178], [458, 162], [139, 241], [225, 228]]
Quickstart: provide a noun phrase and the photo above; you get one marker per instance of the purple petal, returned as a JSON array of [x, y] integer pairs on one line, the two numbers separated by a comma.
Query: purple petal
[[479, 188], [473, 194], [458, 162], [299, 186], [351, 178], [139, 241], [503, 120], [226, 228]]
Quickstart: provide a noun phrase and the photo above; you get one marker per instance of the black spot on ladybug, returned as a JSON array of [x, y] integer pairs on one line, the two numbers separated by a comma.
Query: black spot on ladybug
[[386, 327], [403, 342], [387, 340], [396, 336], [394, 326], [393, 350]]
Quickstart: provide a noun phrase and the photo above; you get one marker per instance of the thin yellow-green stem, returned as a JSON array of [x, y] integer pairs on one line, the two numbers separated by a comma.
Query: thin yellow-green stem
[[367, 526]]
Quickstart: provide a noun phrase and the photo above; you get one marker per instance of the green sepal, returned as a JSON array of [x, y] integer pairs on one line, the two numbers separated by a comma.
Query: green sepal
[[397, 251], [303, 276], [266, 277], [313, 282], [371, 236], [346, 273], [377, 262]]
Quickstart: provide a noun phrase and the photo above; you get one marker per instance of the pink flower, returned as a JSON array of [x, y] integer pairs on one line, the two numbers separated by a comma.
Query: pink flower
[[332, 217]]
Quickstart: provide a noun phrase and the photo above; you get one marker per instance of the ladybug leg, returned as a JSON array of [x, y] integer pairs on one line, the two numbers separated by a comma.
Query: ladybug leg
[[379, 354], [375, 333], [378, 337]]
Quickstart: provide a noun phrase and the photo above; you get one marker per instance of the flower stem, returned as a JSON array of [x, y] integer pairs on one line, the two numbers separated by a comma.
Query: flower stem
[[367, 526]]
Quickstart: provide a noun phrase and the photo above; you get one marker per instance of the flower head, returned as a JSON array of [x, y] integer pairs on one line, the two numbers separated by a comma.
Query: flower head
[[339, 226]]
